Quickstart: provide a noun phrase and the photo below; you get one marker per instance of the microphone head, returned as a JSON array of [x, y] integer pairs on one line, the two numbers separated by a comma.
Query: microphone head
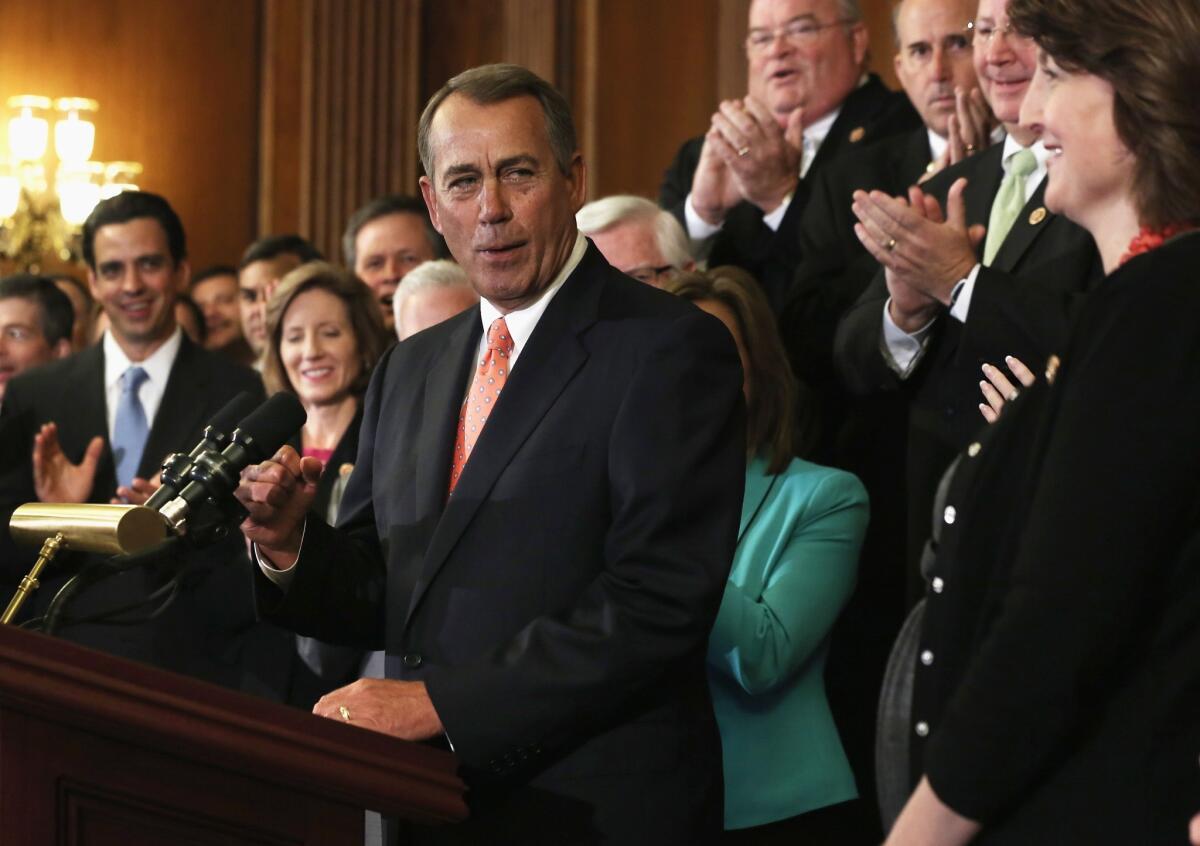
[[226, 420], [272, 423]]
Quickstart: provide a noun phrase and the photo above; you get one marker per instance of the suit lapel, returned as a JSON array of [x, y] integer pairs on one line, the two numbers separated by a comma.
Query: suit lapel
[[983, 181], [179, 412], [1025, 230], [551, 358], [914, 156], [445, 388]]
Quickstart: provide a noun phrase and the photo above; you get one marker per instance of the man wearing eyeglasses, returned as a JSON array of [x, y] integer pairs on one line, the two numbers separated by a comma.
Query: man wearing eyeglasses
[[739, 190], [636, 237]]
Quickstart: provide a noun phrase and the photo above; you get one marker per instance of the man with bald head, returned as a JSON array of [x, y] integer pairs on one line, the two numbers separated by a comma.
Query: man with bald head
[[740, 189]]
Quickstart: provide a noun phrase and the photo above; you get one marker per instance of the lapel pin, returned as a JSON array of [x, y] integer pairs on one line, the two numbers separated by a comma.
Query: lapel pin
[[856, 134], [1052, 365], [1037, 216], [346, 469]]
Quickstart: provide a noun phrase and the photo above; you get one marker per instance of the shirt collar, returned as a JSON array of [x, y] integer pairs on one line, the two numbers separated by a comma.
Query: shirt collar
[[1012, 147], [815, 133], [521, 321], [937, 145], [157, 365]]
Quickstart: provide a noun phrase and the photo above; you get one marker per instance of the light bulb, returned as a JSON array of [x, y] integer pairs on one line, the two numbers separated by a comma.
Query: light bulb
[[10, 196], [27, 136]]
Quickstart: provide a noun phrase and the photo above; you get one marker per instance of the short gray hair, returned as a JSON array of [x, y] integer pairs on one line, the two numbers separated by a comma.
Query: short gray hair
[[497, 83], [607, 212], [439, 273]]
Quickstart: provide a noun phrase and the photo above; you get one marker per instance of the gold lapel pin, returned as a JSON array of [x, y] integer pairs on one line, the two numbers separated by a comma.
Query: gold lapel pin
[[856, 134], [1052, 365], [346, 469], [1037, 216]]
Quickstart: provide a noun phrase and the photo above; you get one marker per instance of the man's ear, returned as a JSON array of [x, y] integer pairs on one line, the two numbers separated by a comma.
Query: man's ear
[[62, 348], [430, 196], [860, 40], [183, 275], [577, 181]]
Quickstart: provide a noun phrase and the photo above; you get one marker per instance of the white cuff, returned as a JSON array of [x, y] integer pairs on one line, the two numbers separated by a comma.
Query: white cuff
[[282, 579], [902, 348], [960, 297], [775, 219], [698, 228]]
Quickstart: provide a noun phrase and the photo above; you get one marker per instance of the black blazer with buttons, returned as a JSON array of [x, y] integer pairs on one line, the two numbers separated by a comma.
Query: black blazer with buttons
[[1022, 305], [1060, 678], [869, 112], [558, 605]]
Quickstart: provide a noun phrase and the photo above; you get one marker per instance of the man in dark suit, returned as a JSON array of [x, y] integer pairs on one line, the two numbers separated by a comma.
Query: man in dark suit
[[69, 442], [939, 310], [934, 64], [740, 189], [549, 615]]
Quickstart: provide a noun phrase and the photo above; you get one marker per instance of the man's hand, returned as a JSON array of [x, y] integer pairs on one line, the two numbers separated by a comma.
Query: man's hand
[[714, 192], [399, 708], [971, 125], [914, 242], [138, 492], [55, 478], [278, 493], [763, 157]]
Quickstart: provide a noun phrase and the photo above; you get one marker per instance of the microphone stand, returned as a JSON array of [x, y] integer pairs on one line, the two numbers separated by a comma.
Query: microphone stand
[[29, 583]]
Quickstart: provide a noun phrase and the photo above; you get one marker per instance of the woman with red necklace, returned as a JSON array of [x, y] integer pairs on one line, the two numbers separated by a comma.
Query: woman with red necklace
[[1057, 690]]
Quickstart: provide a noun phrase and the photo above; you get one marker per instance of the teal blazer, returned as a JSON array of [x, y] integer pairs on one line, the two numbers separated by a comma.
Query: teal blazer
[[793, 571]]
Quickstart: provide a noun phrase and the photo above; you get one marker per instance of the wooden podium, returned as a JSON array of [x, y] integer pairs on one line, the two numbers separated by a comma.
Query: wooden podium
[[99, 751]]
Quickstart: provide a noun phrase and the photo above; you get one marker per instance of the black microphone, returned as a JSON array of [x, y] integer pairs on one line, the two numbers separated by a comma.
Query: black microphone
[[177, 465], [214, 475]]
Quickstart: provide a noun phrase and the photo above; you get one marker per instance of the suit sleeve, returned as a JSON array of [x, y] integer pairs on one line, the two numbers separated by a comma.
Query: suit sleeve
[[16, 477], [677, 180], [761, 639], [342, 605], [1112, 509], [676, 469]]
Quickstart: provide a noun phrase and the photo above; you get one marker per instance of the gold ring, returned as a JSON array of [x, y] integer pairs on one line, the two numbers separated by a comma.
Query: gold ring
[[1013, 395], [345, 712], [971, 148], [890, 245], [743, 152]]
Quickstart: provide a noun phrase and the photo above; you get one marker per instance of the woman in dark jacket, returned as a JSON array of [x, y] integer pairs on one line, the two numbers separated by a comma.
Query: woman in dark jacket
[[1059, 670]]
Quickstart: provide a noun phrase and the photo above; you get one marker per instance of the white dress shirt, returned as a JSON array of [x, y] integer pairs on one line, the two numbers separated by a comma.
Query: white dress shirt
[[158, 370]]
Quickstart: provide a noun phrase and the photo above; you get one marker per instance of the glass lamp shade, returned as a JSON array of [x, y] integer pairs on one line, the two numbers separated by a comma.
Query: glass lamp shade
[[10, 195], [74, 134], [28, 132], [78, 189]]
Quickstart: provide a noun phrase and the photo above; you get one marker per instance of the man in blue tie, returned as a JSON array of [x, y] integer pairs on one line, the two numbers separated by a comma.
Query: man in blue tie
[[95, 427]]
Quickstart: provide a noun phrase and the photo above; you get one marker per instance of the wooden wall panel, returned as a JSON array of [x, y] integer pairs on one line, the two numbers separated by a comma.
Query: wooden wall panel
[[178, 89], [339, 106]]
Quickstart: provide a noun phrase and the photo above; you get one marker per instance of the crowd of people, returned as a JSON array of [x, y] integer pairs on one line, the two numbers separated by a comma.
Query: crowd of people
[[925, 567]]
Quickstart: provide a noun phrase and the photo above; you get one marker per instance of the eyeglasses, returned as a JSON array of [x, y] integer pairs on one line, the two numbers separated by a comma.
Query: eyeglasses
[[651, 275], [984, 32], [799, 32]]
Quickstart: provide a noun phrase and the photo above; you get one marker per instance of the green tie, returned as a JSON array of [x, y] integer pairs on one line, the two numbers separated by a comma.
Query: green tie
[[1010, 199]]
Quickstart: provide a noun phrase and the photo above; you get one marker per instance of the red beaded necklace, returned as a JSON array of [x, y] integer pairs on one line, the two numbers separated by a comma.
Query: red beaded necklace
[[1148, 239]]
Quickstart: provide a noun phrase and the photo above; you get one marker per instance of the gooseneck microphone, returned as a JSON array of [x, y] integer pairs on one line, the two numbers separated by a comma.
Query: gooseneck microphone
[[177, 465], [214, 475]]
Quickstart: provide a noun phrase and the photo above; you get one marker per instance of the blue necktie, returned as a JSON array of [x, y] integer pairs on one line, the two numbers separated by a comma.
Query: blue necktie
[[130, 429]]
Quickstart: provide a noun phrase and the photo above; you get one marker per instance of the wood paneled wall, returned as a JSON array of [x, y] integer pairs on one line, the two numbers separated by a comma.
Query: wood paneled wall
[[266, 116]]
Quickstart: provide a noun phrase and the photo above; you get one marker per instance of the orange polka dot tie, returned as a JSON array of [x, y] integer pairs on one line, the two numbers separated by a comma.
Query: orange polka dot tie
[[489, 380]]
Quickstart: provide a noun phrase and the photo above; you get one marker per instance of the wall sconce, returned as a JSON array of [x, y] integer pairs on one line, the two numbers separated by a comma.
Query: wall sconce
[[40, 218]]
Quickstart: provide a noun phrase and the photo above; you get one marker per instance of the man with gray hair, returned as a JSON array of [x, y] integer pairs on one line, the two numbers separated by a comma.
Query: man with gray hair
[[430, 293], [541, 519], [637, 237], [740, 188]]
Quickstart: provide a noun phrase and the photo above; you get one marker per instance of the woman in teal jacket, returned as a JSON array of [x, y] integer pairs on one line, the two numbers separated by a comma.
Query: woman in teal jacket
[[786, 775]]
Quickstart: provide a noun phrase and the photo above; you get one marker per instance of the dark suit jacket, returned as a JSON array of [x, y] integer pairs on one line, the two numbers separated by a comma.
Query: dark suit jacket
[[204, 632], [1062, 678], [870, 112], [1022, 306], [558, 606]]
